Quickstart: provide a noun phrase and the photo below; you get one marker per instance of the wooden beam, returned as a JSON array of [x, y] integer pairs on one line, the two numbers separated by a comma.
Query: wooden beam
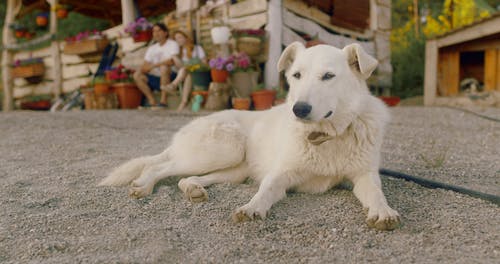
[[498, 70], [249, 22], [485, 28], [55, 50], [128, 12], [448, 73], [248, 7], [274, 27], [490, 69], [430, 77], [13, 7], [314, 14]]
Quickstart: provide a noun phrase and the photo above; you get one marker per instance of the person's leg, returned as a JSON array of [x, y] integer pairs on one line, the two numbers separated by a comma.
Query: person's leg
[[186, 91], [164, 81], [142, 83]]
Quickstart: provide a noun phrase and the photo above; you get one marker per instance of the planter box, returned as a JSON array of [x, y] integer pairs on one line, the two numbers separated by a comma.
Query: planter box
[[37, 69], [42, 105], [87, 46], [99, 101]]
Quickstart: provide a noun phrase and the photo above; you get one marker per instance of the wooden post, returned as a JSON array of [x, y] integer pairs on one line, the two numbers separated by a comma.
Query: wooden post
[[430, 77], [448, 72], [274, 27], [416, 18], [54, 50], [490, 69], [13, 7], [128, 12]]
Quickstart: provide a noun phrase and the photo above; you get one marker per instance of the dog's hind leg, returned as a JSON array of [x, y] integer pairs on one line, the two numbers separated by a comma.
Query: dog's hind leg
[[193, 187], [199, 150]]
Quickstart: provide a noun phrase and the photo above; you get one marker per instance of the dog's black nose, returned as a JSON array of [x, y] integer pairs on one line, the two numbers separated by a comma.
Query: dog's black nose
[[301, 109]]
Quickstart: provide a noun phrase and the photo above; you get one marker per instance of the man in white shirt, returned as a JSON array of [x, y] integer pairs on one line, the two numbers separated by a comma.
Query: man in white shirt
[[156, 71]]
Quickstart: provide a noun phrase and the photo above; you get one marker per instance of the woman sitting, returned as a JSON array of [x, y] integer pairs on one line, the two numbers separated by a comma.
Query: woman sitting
[[188, 51]]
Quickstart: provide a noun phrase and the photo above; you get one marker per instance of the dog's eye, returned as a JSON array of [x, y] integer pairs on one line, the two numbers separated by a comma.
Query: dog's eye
[[327, 76], [296, 75]]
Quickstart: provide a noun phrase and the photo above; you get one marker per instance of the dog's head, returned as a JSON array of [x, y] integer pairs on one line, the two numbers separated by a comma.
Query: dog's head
[[326, 82]]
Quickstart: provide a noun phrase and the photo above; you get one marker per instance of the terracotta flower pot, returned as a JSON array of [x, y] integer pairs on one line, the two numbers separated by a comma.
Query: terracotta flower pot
[[219, 76], [201, 80], [62, 13], [390, 100], [202, 93], [38, 105], [241, 103], [102, 88], [243, 82], [143, 36], [129, 96], [42, 21], [263, 99], [20, 33]]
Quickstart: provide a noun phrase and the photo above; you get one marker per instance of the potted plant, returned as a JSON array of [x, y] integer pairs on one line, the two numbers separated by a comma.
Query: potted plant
[[101, 85], [390, 100], [280, 96], [36, 102], [220, 68], [42, 19], [19, 30], [32, 69], [200, 74], [249, 41], [86, 42], [62, 11], [129, 96], [244, 75], [241, 103], [263, 98], [140, 30]]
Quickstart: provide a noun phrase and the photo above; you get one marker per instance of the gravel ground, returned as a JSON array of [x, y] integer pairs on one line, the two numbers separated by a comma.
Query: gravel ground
[[53, 212]]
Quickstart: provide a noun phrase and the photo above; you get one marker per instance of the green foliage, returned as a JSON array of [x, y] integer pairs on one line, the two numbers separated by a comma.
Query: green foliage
[[259, 87], [408, 64], [69, 26]]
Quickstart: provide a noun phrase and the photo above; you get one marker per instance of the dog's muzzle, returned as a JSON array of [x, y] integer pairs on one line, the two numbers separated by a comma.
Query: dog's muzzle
[[302, 109]]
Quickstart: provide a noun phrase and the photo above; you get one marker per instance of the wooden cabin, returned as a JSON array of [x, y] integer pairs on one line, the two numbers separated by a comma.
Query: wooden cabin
[[469, 52]]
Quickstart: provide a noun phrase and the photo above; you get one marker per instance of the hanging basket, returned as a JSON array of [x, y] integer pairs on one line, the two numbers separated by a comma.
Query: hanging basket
[[62, 13], [249, 45], [86, 46], [42, 20], [31, 70], [143, 36]]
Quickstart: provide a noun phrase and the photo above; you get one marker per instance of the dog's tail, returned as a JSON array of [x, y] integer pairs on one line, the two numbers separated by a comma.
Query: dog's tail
[[130, 170]]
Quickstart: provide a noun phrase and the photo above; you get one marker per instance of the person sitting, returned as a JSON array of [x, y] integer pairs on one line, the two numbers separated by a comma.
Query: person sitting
[[157, 67], [188, 52]]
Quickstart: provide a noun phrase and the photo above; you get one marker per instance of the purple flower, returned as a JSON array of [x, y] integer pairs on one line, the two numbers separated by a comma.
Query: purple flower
[[229, 67]]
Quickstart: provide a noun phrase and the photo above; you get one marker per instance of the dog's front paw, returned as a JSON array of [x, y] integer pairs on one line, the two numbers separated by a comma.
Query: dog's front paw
[[139, 191], [383, 218], [248, 213], [196, 193]]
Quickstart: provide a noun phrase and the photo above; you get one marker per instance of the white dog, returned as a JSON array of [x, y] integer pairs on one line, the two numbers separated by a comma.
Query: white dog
[[329, 130]]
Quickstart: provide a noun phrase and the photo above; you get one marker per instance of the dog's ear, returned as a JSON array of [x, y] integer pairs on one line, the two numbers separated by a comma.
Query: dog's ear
[[359, 61], [289, 55]]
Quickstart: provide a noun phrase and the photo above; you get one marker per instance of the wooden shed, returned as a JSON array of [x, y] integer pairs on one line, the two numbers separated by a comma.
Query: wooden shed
[[469, 52]]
